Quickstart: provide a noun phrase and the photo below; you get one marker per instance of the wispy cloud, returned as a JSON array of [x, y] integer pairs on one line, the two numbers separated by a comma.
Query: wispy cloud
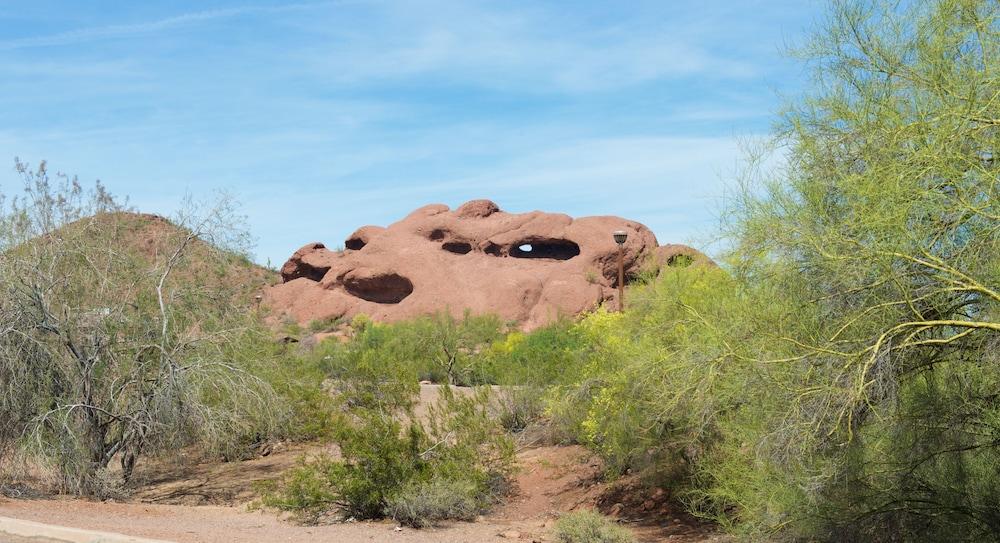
[[513, 47], [140, 29], [64, 69]]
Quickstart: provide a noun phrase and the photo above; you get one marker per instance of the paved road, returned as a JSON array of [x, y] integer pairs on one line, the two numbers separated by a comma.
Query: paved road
[[24, 531]]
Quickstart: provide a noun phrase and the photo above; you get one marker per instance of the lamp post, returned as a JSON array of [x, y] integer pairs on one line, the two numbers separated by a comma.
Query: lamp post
[[620, 237]]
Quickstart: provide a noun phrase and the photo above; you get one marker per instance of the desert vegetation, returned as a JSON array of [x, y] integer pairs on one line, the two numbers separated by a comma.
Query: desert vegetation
[[835, 379], [590, 527], [453, 464], [126, 334]]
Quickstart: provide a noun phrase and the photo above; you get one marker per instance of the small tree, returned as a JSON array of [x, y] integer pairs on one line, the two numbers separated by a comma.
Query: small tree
[[119, 328], [884, 227]]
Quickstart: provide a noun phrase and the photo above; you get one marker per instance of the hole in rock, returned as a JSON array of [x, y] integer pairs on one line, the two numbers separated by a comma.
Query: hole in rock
[[313, 273], [457, 247], [553, 249], [354, 244], [492, 249], [389, 288], [436, 235]]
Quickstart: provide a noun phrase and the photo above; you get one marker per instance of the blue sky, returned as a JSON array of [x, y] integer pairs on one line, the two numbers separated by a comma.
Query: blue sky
[[324, 116]]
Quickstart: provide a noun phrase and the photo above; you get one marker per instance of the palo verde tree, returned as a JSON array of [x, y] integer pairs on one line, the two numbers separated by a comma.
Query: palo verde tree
[[883, 227], [120, 332]]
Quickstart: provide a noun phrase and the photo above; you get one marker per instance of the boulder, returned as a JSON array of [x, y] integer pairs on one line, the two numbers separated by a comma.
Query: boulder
[[531, 268]]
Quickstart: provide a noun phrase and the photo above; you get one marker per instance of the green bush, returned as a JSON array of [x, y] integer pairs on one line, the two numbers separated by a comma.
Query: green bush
[[423, 503], [438, 348], [872, 413], [304, 490], [547, 356], [324, 325], [519, 406], [379, 459], [396, 465], [589, 527], [307, 408], [649, 401]]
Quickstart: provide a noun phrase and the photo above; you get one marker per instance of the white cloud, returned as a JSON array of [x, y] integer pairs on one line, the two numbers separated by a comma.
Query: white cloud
[[528, 49]]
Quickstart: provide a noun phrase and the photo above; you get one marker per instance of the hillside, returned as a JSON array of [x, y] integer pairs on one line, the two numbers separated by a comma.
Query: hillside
[[149, 240]]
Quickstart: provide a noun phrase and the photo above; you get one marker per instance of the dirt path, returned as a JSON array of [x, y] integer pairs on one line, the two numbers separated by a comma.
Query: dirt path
[[187, 524], [25, 531], [551, 480]]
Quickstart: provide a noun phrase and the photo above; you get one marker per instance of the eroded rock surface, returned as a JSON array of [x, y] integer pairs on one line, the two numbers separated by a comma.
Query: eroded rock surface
[[524, 267]]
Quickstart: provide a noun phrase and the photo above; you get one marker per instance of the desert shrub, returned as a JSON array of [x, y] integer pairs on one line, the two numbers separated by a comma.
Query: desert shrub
[[438, 348], [423, 503], [547, 356], [121, 338], [681, 261], [395, 464], [378, 462], [467, 442], [304, 490], [649, 401], [299, 381], [324, 325], [292, 329], [589, 527], [525, 365], [519, 406], [106, 485]]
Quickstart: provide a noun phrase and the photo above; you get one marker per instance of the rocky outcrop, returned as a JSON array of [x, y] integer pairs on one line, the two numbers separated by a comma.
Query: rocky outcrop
[[527, 267]]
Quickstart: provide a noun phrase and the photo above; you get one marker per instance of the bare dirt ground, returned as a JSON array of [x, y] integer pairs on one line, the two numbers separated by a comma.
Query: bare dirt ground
[[198, 500], [551, 480]]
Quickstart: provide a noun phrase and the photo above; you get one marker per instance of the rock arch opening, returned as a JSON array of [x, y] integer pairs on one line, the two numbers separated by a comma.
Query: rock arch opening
[[551, 249]]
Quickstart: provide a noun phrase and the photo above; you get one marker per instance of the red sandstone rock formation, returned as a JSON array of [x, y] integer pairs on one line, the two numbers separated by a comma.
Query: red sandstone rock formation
[[526, 267]]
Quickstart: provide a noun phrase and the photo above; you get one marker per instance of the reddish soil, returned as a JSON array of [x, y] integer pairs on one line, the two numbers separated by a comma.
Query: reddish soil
[[558, 479], [183, 481], [188, 479], [551, 480]]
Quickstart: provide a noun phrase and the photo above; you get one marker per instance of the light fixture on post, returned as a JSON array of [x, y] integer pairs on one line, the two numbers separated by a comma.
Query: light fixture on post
[[620, 237]]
